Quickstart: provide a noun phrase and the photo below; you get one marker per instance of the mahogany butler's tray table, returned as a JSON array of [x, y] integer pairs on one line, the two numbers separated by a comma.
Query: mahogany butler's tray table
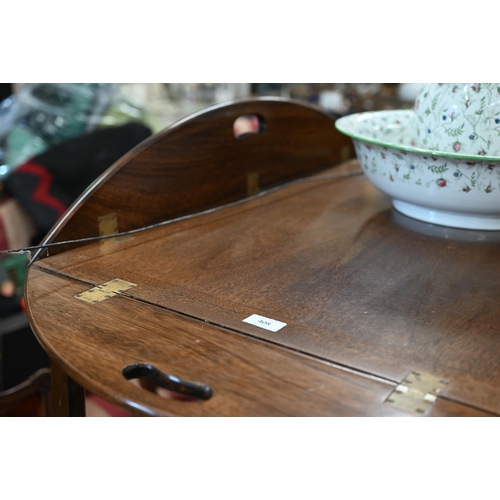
[[383, 318]]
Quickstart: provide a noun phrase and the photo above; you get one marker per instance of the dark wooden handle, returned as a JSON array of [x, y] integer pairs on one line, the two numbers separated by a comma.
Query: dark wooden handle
[[168, 382]]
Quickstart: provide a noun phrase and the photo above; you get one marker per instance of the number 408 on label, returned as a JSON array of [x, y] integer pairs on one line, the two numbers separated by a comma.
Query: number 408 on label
[[263, 322]]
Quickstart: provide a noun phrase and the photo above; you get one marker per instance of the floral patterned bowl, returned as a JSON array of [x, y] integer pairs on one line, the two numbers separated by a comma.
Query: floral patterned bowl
[[448, 189], [459, 118]]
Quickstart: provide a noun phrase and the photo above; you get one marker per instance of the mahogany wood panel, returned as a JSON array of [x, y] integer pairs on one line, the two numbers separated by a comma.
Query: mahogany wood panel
[[359, 286], [199, 163], [248, 377], [328, 258]]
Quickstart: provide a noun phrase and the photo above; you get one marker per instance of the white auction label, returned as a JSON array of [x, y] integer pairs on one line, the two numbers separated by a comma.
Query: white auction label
[[266, 323]]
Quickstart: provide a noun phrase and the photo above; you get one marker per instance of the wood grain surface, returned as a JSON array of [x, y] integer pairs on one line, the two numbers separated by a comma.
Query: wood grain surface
[[354, 286], [198, 163], [248, 377], [364, 291]]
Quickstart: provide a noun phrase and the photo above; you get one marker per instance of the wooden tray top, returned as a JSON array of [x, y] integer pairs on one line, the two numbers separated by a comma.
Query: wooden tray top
[[368, 295], [357, 290]]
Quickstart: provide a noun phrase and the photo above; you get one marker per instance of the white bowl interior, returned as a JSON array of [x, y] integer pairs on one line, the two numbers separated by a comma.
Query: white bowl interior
[[391, 127]]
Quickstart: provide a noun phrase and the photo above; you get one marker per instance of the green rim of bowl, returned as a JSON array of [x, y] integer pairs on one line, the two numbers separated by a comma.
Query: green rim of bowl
[[409, 149]]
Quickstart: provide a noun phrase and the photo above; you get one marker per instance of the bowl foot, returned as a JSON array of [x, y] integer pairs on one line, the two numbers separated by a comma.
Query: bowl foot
[[449, 219]]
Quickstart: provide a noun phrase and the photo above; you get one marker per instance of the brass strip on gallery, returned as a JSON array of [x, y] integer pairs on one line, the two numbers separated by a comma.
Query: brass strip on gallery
[[346, 154], [253, 186], [108, 225], [417, 393], [105, 291]]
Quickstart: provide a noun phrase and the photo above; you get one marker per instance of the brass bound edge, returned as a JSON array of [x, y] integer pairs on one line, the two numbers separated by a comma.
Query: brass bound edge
[[417, 393]]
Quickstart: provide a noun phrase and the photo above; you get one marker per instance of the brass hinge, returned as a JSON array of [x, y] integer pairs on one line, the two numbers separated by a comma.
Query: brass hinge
[[417, 393], [105, 291]]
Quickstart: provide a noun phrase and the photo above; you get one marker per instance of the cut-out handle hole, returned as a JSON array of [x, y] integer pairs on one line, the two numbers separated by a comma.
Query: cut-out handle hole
[[167, 386], [247, 125]]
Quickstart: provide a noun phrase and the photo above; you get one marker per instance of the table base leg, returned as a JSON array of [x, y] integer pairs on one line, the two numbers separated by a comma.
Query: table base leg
[[68, 397]]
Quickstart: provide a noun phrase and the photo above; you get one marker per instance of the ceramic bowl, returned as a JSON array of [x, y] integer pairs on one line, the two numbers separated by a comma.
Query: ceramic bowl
[[459, 118], [447, 189]]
